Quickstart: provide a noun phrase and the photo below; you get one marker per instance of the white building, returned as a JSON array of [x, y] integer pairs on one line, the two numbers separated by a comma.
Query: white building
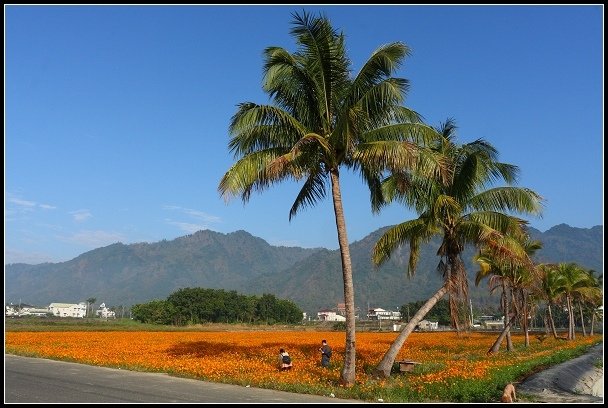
[[381, 314], [33, 311], [330, 316], [11, 310], [428, 325], [68, 309], [104, 312]]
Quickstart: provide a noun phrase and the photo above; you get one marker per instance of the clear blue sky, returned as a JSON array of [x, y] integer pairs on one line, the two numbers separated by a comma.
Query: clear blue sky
[[116, 117]]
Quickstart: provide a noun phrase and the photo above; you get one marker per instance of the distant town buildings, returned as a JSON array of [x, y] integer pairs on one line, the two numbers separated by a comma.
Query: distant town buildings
[[427, 325], [381, 314], [77, 310], [25, 310], [339, 314], [68, 309], [104, 312], [327, 315]]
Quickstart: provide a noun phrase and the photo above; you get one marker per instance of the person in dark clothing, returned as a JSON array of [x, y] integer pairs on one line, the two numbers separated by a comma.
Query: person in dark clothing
[[325, 353], [284, 360]]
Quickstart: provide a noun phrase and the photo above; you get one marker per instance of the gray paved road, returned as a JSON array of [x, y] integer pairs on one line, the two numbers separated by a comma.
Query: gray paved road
[[36, 380]]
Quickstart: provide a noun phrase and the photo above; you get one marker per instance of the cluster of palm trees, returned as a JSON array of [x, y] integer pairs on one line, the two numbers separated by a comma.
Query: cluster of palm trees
[[526, 287], [324, 120], [571, 287]]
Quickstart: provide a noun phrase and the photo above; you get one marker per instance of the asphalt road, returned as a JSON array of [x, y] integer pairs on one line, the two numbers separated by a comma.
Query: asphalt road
[[37, 380]]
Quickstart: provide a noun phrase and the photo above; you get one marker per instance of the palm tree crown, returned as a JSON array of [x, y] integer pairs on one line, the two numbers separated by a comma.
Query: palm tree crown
[[462, 208], [323, 119]]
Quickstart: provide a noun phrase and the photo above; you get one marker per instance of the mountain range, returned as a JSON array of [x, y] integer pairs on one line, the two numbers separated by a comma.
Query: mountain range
[[121, 274]]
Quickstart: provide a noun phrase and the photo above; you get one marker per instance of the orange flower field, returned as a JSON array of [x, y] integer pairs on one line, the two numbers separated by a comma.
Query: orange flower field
[[250, 357]]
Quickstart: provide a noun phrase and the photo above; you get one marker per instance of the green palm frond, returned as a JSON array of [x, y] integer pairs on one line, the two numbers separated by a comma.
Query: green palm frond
[[311, 192], [323, 50], [412, 232], [247, 174], [417, 133], [312, 139], [383, 62], [446, 210], [512, 199], [257, 127], [497, 221], [402, 114], [290, 86], [378, 101]]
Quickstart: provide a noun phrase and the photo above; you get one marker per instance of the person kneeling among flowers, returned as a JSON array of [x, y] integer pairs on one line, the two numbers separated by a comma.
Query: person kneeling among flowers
[[284, 360]]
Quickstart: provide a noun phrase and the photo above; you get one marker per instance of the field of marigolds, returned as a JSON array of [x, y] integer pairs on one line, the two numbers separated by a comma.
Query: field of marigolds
[[454, 368]]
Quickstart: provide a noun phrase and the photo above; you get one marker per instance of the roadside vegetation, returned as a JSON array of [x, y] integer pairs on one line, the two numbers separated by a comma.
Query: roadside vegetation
[[454, 368]]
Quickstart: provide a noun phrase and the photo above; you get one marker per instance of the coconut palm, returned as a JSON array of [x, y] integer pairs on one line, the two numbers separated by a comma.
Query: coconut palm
[[590, 298], [549, 290], [516, 277], [574, 282], [458, 208], [322, 121], [595, 297], [90, 302]]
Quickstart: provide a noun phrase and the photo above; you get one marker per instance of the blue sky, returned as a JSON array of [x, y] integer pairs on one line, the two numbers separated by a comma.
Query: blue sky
[[116, 117]]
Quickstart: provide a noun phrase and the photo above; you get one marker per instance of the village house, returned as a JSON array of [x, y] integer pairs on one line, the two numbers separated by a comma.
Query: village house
[[104, 312], [327, 315], [381, 314], [68, 309], [427, 325]]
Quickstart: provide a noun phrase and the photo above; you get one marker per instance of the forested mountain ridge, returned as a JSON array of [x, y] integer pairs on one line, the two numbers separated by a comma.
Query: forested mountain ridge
[[121, 274]]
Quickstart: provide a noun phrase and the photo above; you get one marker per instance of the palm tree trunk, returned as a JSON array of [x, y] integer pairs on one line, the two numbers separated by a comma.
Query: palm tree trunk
[[592, 323], [507, 306], [570, 319], [580, 308], [552, 321], [454, 311], [524, 324], [348, 371], [383, 369], [496, 346]]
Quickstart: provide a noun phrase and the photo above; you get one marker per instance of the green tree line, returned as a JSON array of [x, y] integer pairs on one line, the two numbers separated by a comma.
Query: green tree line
[[200, 305]]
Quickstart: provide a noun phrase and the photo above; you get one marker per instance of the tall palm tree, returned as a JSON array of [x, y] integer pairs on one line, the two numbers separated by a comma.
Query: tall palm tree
[[322, 121], [595, 298], [575, 283], [572, 279], [516, 277], [588, 296], [549, 290], [461, 210], [90, 302]]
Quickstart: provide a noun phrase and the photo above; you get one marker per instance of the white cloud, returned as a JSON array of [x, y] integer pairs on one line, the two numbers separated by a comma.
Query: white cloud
[[19, 204], [81, 215], [202, 220], [187, 227], [200, 215]]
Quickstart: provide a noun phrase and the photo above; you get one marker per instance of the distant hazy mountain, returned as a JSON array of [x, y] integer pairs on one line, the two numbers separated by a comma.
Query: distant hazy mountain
[[128, 274]]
